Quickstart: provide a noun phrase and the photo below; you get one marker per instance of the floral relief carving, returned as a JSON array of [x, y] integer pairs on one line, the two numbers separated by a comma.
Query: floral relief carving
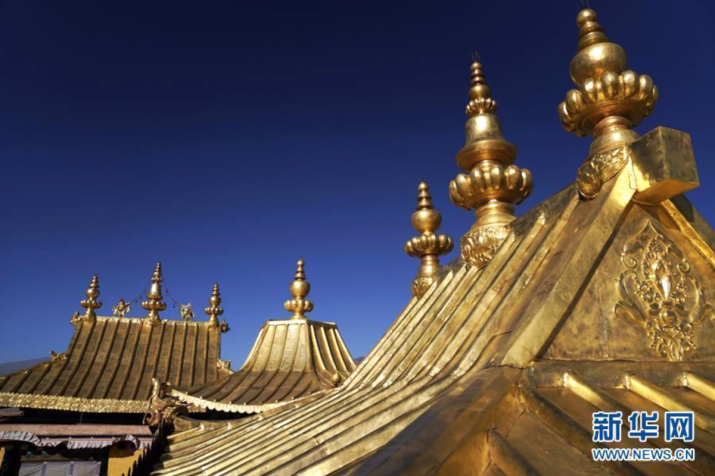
[[659, 293]]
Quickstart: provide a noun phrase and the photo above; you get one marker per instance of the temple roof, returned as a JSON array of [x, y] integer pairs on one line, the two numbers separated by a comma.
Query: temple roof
[[601, 298], [421, 401], [290, 359], [110, 363], [113, 364]]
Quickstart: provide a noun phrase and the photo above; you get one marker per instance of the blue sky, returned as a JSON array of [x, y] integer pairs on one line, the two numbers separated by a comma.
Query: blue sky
[[228, 139]]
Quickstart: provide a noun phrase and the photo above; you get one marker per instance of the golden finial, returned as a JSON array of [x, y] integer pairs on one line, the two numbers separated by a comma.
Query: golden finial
[[479, 93], [299, 289], [91, 303], [154, 304], [213, 311], [609, 101], [121, 309], [428, 246], [492, 185]]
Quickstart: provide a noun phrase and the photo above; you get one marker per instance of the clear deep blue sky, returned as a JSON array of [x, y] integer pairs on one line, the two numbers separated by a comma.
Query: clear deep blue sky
[[227, 139]]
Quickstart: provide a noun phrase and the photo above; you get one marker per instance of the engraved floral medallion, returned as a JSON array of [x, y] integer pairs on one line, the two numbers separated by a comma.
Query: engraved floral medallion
[[659, 293]]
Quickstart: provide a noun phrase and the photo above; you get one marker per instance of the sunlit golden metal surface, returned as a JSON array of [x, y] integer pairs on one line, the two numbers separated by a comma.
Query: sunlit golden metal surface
[[609, 101], [659, 292], [489, 349], [154, 303], [663, 165], [493, 184], [214, 311], [91, 304], [499, 366], [428, 246], [110, 362], [290, 359], [299, 289]]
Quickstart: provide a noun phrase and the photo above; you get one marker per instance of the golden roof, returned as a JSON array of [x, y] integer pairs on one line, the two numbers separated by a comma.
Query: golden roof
[[548, 295], [593, 301], [290, 359], [110, 363]]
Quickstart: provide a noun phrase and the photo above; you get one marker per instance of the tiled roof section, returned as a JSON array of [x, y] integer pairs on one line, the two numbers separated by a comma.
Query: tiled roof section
[[420, 398], [290, 359], [110, 363]]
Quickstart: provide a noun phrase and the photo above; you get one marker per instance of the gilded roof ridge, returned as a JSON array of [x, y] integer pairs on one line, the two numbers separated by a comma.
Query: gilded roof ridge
[[162, 322], [75, 404]]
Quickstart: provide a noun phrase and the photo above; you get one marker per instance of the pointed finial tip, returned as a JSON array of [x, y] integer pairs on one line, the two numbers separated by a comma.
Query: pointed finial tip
[[157, 276], [586, 15], [423, 186], [479, 91]]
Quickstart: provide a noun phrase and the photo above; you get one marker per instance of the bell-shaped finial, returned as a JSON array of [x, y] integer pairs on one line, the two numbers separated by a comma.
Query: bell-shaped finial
[[154, 302], [214, 311], [492, 184], [91, 303], [609, 101], [428, 246], [299, 289]]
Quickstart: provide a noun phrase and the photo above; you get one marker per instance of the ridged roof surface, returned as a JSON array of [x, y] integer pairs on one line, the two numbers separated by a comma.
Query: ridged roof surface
[[290, 359], [435, 391], [110, 363]]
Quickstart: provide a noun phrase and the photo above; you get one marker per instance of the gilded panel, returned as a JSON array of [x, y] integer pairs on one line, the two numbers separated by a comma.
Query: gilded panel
[[651, 298]]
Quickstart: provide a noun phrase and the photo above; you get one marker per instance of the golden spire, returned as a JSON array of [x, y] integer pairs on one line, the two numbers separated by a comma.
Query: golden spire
[[91, 303], [213, 311], [299, 289], [492, 185], [608, 102], [428, 246], [154, 304]]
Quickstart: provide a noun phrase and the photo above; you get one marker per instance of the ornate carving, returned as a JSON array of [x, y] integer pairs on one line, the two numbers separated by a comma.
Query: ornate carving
[[223, 364], [481, 243], [224, 326], [599, 169], [186, 312], [609, 101], [76, 319], [72, 404], [582, 109], [58, 357], [121, 309], [421, 284], [481, 106], [163, 409], [490, 181], [659, 293]]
